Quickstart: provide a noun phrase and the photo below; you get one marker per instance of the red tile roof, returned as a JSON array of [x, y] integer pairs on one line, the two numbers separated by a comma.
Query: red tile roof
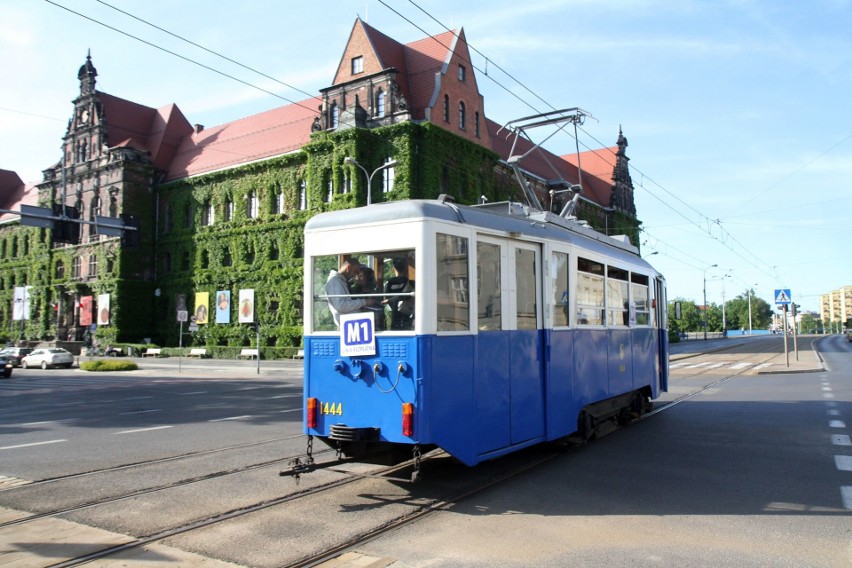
[[272, 133], [14, 192]]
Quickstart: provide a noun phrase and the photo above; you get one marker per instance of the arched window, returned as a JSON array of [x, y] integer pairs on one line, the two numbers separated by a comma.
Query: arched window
[[476, 123], [461, 115], [446, 108], [335, 115], [380, 103], [389, 175], [252, 206]]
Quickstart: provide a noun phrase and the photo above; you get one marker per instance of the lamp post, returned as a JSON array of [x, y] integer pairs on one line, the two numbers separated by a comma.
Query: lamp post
[[705, 298], [749, 309], [354, 162]]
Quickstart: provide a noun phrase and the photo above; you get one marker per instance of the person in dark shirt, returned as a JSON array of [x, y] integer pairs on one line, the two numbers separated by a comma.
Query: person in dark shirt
[[401, 304]]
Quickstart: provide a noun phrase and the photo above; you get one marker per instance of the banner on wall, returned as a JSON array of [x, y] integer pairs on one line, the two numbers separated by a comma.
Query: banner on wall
[[202, 300], [223, 306], [86, 303], [103, 309], [21, 303], [246, 311]]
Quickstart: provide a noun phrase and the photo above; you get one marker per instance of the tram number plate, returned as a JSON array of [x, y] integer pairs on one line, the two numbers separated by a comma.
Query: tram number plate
[[332, 408]]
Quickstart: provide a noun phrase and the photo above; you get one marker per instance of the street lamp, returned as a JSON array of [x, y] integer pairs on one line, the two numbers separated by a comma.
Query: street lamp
[[354, 162], [705, 298], [749, 309]]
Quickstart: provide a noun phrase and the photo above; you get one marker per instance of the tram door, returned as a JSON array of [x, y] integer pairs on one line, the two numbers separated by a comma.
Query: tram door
[[509, 379]]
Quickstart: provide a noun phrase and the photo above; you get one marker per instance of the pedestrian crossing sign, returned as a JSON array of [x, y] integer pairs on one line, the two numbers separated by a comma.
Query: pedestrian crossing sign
[[783, 296]]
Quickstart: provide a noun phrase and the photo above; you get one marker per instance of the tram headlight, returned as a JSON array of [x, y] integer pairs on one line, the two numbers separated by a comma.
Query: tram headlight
[[407, 419], [311, 412]]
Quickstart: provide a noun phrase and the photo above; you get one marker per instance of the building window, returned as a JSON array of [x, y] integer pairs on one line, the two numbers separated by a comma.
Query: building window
[[347, 183], [205, 259], [303, 196], [329, 194], [75, 267], [187, 216], [60, 270], [226, 258], [380, 103], [184, 263], [388, 174], [167, 219], [476, 123], [93, 265], [462, 73], [461, 115], [279, 203], [209, 213], [335, 115], [229, 210], [357, 65], [274, 252], [446, 108], [252, 206]]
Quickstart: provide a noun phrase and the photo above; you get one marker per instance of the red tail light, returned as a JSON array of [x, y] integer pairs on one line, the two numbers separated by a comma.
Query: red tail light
[[407, 419], [311, 413]]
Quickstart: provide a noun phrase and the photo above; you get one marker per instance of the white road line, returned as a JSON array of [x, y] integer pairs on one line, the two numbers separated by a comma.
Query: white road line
[[286, 396], [191, 393], [763, 365], [715, 365], [841, 440], [140, 412], [843, 463], [846, 496], [31, 445], [826, 388], [699, 365], [836, 424], [741, 365], [144, 430], [291, 410], [230, 418]]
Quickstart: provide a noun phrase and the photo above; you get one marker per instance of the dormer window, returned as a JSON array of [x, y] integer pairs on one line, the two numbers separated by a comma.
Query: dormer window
[[462, 73], [357, 65]]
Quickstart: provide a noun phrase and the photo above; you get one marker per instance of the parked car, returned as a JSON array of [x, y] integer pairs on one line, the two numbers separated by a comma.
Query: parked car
[[48, 357], [6, 366], [15, 354]]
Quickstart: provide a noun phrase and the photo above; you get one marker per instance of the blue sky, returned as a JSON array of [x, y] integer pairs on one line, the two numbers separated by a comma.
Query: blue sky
[[736, 112]]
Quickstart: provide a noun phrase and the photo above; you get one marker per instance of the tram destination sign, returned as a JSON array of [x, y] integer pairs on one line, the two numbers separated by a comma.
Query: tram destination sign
[[357, 334]]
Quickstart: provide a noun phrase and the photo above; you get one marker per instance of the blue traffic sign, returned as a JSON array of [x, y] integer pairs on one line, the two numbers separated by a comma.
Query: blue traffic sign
[[783, 296]]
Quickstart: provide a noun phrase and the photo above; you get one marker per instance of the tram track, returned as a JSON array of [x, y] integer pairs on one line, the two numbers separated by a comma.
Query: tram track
[[545, 454]]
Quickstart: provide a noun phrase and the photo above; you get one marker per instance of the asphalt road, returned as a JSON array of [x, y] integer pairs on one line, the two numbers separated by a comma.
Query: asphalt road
[[750, 470]]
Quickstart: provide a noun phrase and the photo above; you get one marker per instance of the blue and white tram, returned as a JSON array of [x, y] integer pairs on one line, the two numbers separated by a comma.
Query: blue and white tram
[[484, 329]]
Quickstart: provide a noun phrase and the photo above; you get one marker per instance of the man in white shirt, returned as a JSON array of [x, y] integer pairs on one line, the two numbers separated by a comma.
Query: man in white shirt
[[337, 290]]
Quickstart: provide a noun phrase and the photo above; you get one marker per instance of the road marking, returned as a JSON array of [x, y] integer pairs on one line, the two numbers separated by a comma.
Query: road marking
[[140, 412], [741, 365], [698, 365], [826, 388], [230, 418], [828, 395], [841, 440], [191, 393], [291, 410], [846, 496], [31, 445], [144, 430], [834, 412], [843, 463], [836, 424], [715, 365], [287, 396], [763, 365]]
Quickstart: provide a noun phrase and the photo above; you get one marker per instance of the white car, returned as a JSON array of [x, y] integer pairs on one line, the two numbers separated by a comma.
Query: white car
[[48, 357]]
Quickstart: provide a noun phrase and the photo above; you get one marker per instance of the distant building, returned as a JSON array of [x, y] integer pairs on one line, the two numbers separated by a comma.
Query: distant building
[[222, 209], [836, 306]]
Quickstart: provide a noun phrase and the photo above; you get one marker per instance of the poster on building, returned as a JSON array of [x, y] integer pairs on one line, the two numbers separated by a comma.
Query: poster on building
[[21, 303], [86, 303], [202, 301], [246, 311], [103, 309], [223, 306]]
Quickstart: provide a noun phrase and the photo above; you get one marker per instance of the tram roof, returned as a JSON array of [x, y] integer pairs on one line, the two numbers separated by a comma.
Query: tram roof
[[512, 218]]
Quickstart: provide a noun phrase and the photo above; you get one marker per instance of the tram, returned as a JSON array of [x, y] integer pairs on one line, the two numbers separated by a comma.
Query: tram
[[480, 330]]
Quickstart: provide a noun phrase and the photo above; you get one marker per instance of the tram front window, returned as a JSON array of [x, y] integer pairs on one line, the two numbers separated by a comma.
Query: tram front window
[[381, 283]]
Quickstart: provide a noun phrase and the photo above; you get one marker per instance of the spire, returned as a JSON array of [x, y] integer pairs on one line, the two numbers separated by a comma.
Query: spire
[[86, 75]]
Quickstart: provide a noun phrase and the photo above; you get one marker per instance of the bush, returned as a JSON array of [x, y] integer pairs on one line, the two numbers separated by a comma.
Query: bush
[[108, 365]]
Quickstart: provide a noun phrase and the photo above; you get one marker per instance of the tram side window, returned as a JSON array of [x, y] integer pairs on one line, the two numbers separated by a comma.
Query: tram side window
[[452, 275], [488, 291], [590, 292], [617, 298], [639, 292], [559, 285]]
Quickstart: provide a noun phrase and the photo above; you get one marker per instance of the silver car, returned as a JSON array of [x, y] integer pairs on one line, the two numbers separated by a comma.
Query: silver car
[[48, 357]]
